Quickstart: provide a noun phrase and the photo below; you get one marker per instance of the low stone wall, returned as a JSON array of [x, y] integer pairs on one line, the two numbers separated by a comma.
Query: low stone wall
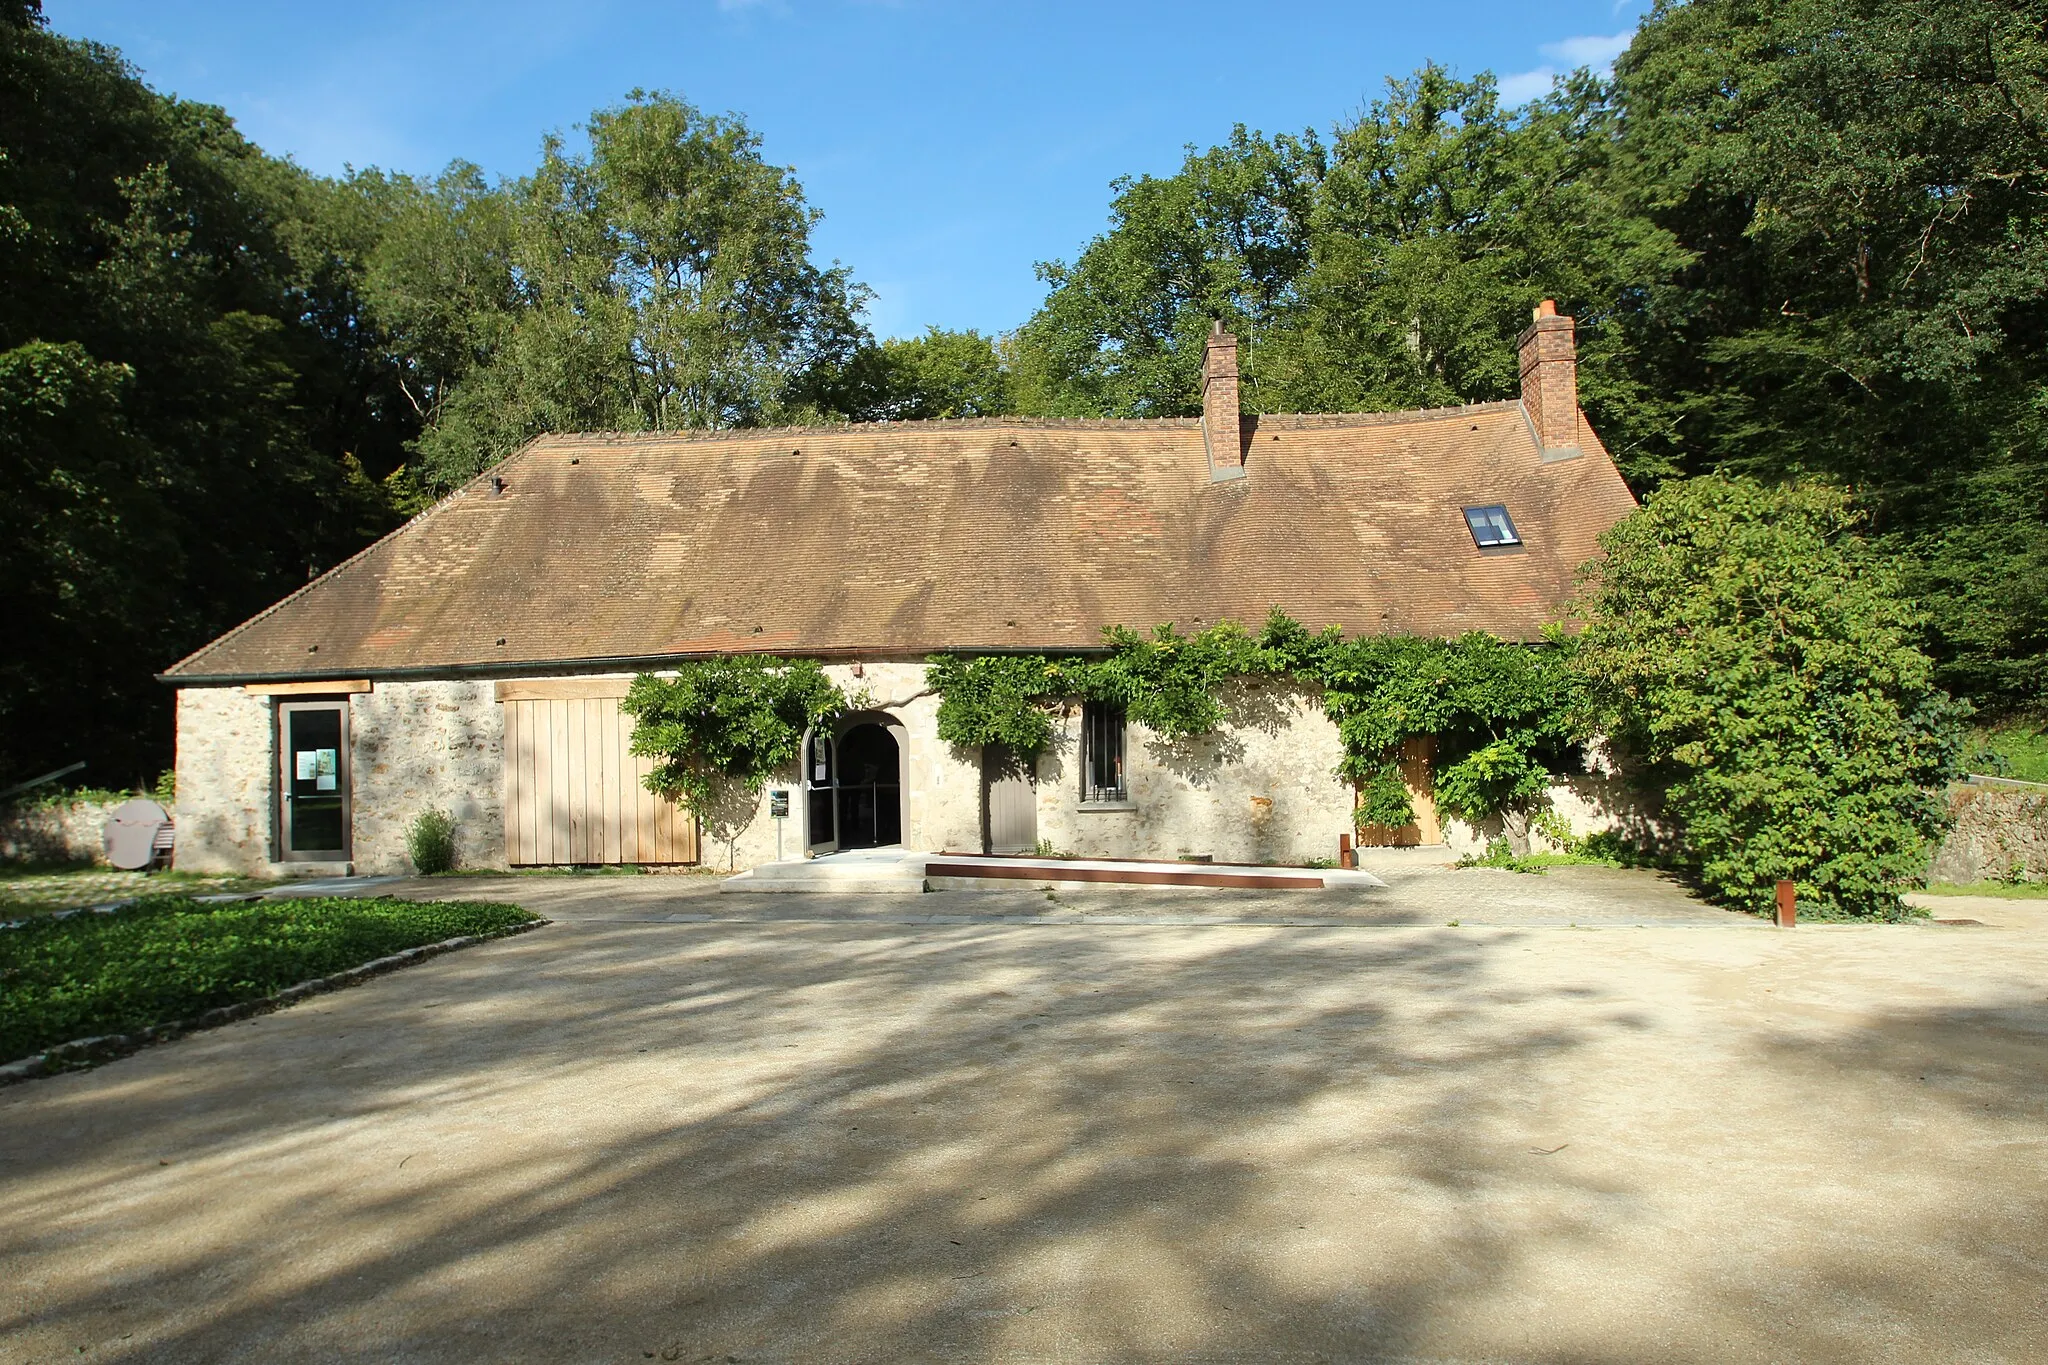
[[1997, 828], [72, 832]]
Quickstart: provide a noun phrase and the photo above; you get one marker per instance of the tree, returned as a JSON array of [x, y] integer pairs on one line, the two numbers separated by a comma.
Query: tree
[[1763, 659], [186, 406], [1859, 194], [1390, 268], [1443, 217], [943, 374], [1121, 332], [662, 281]]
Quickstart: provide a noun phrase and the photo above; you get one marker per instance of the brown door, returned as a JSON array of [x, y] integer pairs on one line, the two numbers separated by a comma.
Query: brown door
[[1009, 802]]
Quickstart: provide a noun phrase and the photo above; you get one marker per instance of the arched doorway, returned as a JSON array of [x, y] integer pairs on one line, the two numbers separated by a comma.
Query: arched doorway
[[870, 805], [853, 784]]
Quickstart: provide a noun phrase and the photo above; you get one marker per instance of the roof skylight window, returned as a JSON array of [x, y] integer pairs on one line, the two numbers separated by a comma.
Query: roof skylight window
[[1490, 526]]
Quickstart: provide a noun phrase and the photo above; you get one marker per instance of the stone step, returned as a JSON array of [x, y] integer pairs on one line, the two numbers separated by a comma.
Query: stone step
[[866, 872]]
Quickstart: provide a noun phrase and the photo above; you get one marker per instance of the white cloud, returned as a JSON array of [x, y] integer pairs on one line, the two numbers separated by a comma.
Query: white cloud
[[1594, 49], [1524, 86], [1597, 50]]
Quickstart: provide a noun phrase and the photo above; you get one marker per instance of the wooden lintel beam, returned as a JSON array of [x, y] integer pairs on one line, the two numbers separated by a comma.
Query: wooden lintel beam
[[329, 688], [562, 689]]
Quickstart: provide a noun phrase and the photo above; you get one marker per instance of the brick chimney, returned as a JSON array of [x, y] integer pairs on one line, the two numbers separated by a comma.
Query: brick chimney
[[1222, 430], [1550, 380]]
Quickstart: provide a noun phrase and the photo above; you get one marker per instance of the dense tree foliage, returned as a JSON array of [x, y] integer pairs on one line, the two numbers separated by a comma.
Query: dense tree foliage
[[662, 280], [939, 374], [1748, 644], [187, 408], [220, 375], [1859, 190]]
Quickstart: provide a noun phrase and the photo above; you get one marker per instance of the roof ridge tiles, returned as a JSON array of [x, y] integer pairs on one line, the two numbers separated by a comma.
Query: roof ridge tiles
[[1300, 421]]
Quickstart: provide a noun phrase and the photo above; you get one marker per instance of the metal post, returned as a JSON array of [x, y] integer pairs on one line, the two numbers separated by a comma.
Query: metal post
[[1788, 909], [1347, 857]]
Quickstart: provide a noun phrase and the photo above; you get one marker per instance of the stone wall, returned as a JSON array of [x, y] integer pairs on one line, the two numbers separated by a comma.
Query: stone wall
[[227, 746], [67, 832], [1262, 789], [420, 746], [413, 746], [1996, 829]]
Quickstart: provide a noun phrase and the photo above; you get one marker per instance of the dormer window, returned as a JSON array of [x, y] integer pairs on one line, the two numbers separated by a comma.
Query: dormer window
[[1490, 526]]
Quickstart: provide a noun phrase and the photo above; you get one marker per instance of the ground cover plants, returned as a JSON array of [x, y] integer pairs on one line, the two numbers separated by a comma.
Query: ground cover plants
[[38, 889], [2012, 891], [169, 958], [2016, 748]]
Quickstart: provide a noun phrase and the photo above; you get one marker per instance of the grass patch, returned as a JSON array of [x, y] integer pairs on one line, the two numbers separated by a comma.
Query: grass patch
[[26, 891], [1499, 854], [167, 958], [2012, 891], [2015, 748]]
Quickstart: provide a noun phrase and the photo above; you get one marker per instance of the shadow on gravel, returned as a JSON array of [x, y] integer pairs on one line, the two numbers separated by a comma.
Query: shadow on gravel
[[833, 1143]]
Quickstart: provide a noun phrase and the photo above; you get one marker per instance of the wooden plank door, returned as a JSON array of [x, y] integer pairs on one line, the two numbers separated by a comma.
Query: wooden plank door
[[1009, 803], [575, 791]]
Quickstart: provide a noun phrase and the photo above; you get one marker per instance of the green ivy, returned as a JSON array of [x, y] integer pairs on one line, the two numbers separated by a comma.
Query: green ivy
[[997, 698], [735, 719], [1503, 716]]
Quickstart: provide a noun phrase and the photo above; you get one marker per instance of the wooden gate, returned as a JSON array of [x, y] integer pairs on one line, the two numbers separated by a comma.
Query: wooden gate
[[573, 791]]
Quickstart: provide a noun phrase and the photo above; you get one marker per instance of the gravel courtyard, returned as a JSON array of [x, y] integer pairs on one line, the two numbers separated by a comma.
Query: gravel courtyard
[[682, 1126]]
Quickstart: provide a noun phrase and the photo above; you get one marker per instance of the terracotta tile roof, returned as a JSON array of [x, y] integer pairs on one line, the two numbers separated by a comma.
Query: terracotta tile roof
[[905, 538]]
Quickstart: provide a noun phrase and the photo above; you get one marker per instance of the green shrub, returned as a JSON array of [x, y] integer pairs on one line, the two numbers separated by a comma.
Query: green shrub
[[1748, 645], [168, 958], [431, 842]]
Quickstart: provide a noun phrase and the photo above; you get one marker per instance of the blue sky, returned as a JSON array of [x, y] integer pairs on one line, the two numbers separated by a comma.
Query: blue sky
[[950, 145]]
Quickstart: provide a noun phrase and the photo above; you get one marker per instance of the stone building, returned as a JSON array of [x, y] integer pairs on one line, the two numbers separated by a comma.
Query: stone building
[[472, 661]]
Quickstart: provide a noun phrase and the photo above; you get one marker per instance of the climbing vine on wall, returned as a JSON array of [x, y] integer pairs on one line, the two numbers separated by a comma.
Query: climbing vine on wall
[[737, 719], [1503, 715]]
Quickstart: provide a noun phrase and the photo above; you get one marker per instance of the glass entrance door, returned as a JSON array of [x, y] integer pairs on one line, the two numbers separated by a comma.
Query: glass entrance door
[[870, 804], [819, 803], [313, 781]]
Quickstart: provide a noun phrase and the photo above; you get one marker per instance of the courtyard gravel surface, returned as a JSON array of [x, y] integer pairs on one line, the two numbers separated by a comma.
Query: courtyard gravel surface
[[812, 1133]]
